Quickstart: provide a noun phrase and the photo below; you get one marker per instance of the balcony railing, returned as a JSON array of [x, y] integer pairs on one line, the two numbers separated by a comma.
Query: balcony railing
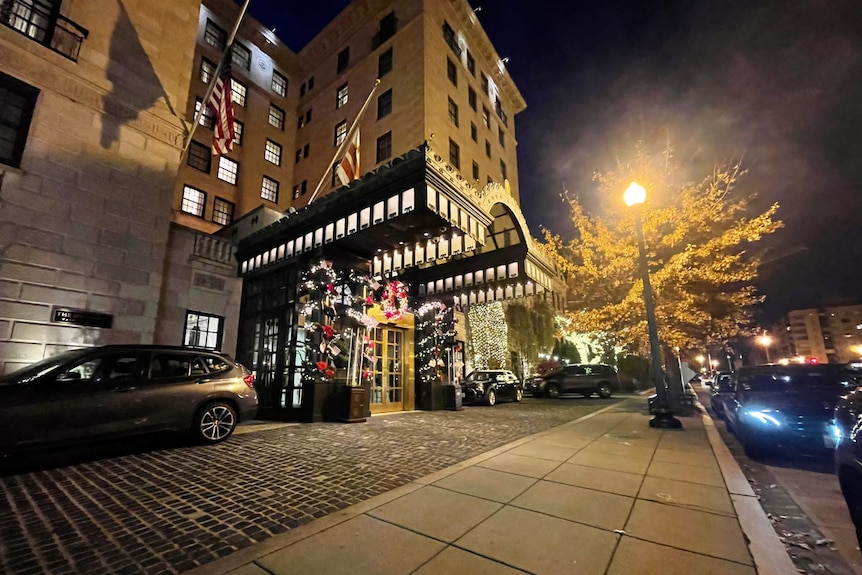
[[214, 249], [38, 20]]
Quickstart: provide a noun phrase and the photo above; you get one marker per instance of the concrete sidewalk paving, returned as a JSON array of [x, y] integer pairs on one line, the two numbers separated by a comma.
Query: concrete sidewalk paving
[[604, 494]]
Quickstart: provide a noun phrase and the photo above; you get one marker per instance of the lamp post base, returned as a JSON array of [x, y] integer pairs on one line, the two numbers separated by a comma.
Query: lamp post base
[[663, 419]]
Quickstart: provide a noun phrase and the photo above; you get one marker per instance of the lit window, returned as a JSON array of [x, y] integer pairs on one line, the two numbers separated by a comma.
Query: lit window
[[207, 118], [486, 117], [241, 56], [222, 211], [279, 84], [237, 132], [238, 92], [203, 331], [193, 201], [215, 36], [276, 117], [227, 170], [340, 132], [341, 96], [208, 69], [272, 153], [269, 190]]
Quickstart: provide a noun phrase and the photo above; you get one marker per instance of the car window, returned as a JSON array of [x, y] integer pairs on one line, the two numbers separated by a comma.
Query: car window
[[215, 363], [167, 365], [575, 370], [120, 369], [84, 371], [198, 367], [790, 380]]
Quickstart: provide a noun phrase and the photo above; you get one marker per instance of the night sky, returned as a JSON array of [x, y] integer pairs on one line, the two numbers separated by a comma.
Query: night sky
[[777, 83]]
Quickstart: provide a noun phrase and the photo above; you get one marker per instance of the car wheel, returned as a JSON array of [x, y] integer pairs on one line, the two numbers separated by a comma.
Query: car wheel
[[604, 391], [519, 395], [552, 390], [491, 397], [215, 422]]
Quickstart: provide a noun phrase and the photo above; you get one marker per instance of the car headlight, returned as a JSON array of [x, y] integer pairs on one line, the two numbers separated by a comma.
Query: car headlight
[[767, 417]]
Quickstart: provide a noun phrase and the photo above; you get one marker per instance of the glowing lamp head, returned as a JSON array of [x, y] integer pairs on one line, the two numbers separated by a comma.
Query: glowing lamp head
[[764, 340], [635, 194]]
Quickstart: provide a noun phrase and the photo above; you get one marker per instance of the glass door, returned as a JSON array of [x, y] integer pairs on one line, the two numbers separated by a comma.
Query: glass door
[[387, 391]]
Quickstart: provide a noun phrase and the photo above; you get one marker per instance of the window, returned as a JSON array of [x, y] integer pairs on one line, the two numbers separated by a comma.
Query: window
[[32, 18], [474, 132], [343, 59], [384, 63], [279, 84], [17, 101], [502, 136], [222, 211], [308, 116], [484, 83], [453, 112], [272, 153], [311, 84], [471, 64], [341, 96], [486, 117], [200, 157], [295, 192], [471, 97], [193, 201], [454, 154], [475, 171], [452, 71], [305, 149], [227, 170], [503, 169], [384, 147], [241, 56], [449, 37], [388, 26], [340, 132], [384, 104], [300, 121], [276, 117], [208, 69], [498, 107], [298, 155], [208, 117], [487, 148], [302, 89], [237, 132], [238, 92], [203, 330], [303, 187], [269, 190], [215, 36]]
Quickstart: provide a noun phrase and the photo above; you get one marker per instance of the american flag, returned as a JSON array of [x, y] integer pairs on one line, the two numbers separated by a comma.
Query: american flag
[[348, 168], [221, 104]]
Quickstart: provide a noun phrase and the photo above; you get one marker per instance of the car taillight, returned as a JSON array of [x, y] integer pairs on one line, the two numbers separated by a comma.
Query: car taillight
[[249, 380]]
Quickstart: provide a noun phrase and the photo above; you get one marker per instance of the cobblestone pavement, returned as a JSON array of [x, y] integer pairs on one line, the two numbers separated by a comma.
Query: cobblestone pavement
[[165, 507]]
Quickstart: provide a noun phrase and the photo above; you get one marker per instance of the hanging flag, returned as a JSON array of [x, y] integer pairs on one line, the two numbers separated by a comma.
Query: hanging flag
[[221, 104], [348, 168]]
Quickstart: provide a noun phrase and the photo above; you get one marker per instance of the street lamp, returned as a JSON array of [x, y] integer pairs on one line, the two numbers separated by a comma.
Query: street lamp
[[765, 340], [700, 359], [635, 195]]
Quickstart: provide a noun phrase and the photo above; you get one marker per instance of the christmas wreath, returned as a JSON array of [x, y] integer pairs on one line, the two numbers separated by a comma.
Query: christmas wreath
[[394, 302]]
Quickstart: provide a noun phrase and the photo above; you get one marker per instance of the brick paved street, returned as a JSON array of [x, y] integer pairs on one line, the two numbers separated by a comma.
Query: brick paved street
[[165, 507]]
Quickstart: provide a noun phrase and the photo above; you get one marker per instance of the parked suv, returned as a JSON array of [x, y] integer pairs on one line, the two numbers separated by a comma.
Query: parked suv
[[109, 391], [585, 379], [489, 385]]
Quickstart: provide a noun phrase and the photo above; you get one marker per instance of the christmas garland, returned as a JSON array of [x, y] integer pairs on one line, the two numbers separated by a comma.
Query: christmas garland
[[394, 302]]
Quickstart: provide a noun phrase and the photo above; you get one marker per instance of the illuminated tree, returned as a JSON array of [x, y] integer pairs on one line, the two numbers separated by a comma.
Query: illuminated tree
[[699, 238]]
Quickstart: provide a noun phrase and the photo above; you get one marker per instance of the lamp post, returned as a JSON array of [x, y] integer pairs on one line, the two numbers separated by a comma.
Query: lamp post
[[700, 359], [765, 340], [635, 195]]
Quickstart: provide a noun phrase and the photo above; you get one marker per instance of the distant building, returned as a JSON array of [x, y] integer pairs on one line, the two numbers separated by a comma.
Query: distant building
[[829, 334]]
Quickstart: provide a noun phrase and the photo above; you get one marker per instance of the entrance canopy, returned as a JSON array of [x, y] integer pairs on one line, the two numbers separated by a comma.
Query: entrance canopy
[[418, 218]]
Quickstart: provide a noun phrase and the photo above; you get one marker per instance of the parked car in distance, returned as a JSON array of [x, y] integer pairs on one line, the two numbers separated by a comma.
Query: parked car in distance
[[490, 385], [848, 455], [721, 389], [776, 406], [109, 391], [585, 379]]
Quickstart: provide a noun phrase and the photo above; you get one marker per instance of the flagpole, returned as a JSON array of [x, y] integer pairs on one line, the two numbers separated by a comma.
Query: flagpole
[[212, 82], [347, 139]]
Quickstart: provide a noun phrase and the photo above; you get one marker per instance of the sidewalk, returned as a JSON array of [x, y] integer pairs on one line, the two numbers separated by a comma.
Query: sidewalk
[[605, 494]]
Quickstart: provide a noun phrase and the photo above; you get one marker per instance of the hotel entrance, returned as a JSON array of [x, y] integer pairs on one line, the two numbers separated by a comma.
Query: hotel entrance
[[388, 375]]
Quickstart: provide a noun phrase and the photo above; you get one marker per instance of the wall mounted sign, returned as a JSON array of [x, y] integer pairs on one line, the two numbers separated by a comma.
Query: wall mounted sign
[[81, 317]]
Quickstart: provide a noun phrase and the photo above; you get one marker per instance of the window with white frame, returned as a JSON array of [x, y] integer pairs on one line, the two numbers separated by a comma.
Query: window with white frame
[[238, 92], [276, 117], [269, 189], [341, 96], [279, 84], [208, 70], [215, 36], [237, 132], [194, 201], [241, 56], [272, 153], [340, 132], [203, 330], [222, 211], [227, 170], [207, 117]]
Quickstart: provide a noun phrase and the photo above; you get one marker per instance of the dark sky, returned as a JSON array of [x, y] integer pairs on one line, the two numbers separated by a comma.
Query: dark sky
[[776, 82]]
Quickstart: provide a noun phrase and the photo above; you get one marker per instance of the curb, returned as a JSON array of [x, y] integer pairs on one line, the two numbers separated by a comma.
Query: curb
[[768, 552]]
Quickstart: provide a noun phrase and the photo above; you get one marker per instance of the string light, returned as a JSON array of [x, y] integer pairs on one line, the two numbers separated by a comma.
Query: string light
[[489, 335]]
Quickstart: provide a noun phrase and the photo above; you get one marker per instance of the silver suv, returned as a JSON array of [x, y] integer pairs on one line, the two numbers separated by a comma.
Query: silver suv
[[585, 379]]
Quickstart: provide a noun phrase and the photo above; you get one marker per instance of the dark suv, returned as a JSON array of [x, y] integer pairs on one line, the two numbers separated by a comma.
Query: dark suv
[[489, 385], [585, 379], [108, 391]]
